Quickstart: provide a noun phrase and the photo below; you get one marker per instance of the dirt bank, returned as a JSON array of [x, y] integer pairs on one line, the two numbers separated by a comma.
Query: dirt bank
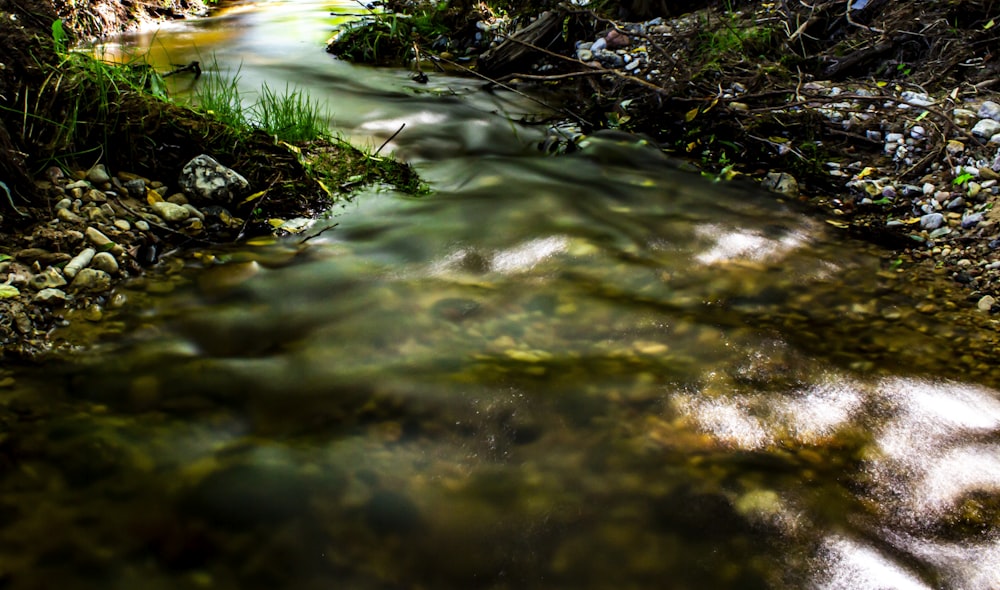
[[63, 116]]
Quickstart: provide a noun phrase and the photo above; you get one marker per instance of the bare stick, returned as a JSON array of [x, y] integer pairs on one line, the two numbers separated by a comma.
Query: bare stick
[[384, 143]]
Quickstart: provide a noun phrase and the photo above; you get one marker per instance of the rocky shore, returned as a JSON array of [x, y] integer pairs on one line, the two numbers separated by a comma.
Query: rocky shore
[[106, 228]]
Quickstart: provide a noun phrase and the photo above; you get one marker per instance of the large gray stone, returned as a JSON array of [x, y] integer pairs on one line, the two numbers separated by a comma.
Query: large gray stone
[[205, 181], [986, 128]]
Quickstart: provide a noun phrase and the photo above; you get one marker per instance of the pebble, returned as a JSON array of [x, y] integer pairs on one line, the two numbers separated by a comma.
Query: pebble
[[986, 303], [50, 277], [918, 132], [68, 216], [986, 128], [971, 220], [97, 238], [106, 262], [989, 110], [610, 60], [79, 262], [932, 221], [170, 211], [917, 98], [893, 138], [98, 175], [954, 147], [584, 54], [956, 204], [599, 46], [963, 117], [91, 280], [51, 296], [782, 183]]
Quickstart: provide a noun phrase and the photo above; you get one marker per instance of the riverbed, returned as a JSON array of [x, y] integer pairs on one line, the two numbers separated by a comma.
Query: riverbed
[[594, 370]]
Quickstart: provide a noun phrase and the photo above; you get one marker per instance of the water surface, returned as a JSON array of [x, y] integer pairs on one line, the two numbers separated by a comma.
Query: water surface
[[591, 371]]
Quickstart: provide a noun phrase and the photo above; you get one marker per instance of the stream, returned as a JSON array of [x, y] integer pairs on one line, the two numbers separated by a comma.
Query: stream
[[593, 370]]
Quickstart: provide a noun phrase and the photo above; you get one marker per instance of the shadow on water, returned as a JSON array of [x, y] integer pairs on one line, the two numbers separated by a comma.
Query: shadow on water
[[588, 371]]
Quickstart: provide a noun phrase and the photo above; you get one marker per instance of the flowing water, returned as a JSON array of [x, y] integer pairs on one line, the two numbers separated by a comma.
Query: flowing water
[[587, 371]]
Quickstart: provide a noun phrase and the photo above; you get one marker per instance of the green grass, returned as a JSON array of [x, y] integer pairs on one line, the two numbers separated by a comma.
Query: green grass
[[290, 116], [219, 96]]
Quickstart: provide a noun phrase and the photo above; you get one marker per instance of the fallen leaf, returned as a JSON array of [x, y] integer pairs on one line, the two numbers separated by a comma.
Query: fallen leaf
[[254, 197]]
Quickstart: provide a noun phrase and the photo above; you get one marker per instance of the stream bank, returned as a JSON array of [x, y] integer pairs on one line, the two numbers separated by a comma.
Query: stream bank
[[91, 160], [882, 116]]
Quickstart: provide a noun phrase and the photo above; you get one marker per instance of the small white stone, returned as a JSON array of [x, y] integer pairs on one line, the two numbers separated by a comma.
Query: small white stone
[[986, 303]]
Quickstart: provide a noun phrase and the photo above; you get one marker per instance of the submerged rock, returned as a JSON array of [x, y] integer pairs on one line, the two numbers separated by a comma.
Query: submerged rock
[[204, 180]]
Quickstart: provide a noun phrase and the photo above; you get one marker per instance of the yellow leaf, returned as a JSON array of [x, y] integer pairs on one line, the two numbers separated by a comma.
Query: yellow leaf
[[261, 241], [711, 105], [254, 197], [691, 146], [866, 172], [777, 139], [691, 115], [153, 197], [274, 222], [324, 187], [881, 84], [911, 220], [837, 224], [989, 25], [291, 147]]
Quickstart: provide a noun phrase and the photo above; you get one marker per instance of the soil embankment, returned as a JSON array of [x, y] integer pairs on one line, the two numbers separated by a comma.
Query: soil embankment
[[90, 158]]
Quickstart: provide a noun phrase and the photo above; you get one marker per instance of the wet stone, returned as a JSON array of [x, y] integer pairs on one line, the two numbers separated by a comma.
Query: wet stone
[[246, 496], [986, 303], [782, 183], [91, 280], [455, 309]]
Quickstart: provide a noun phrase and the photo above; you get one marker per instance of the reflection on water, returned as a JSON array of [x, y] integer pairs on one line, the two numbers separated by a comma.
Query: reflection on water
[[551, 373]]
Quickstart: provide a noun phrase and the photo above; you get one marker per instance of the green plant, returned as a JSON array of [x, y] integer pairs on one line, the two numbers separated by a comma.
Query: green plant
[[290, 116], [962, 179], [219, 96]]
